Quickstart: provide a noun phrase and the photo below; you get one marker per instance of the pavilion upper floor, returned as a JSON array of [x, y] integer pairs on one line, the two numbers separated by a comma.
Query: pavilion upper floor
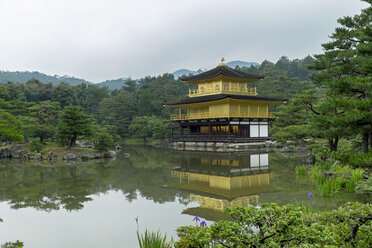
[[222, 106]]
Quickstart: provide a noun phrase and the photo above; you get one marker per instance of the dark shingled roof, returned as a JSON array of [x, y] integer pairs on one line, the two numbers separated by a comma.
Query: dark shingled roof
[[220, 97], [223, 70]]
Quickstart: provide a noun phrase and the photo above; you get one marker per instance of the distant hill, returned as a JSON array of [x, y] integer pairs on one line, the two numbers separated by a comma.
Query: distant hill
[[239, 63], [24, 76], [232, 64], [114, 84], [181, 72]]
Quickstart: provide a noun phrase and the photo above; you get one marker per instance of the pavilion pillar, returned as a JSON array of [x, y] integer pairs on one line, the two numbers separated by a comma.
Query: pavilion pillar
[[210, 129]]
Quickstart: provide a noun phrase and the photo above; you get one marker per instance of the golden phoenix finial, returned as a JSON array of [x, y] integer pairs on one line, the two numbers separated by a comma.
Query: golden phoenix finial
[[222, 62]]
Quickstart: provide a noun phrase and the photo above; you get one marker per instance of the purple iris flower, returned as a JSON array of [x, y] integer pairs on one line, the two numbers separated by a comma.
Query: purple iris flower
[[309, 194], [203, 223], [196, 219]]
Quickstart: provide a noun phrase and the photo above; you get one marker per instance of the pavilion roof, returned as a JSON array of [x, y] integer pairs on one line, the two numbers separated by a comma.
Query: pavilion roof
[[222, 70], [217, 97]]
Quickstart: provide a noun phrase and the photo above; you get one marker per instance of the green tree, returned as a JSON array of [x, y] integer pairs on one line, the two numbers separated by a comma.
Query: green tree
[[345, 71], [9, 125], [73, 123], [102, 139], [140, 128], [118, 111], [158, 127], [40, 120], [65, 94]]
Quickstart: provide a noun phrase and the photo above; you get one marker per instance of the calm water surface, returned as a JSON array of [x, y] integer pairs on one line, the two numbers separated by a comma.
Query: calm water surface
[[95, 204]]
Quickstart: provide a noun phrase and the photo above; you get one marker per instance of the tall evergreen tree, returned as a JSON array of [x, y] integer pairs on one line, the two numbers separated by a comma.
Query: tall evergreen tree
[[345, 70], [73, 123]]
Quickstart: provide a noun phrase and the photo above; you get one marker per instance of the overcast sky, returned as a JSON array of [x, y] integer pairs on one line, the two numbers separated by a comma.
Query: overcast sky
[[106, 39]]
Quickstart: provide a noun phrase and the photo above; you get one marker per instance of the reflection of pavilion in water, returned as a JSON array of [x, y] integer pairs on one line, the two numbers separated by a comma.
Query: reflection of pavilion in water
[[220, 180]]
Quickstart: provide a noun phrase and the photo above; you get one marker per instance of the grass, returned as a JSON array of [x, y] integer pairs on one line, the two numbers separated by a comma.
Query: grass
[[152, 240], [301, 170], [356, 176], [316, 175], [329, 186], [60, 151], [344, 178]]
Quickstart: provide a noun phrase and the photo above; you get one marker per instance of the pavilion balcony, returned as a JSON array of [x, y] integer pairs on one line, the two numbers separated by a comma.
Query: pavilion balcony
[[180, 117], [231, 90]]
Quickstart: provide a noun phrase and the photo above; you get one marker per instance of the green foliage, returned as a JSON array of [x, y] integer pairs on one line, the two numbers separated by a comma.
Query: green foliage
[[73, 123], [345, 72], [118, 111], [36, 146], [145, 127], [39, 120], [351, 224], [364, 185], [301, 170], [270, 225], [139, 128], [344, 178], [17, 244], [354, 159], [159, 127], [152, 240], [9, 127], [103, 141]]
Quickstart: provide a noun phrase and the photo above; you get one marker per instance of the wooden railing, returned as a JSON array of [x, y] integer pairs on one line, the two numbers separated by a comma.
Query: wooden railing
[[178, 117], [208, 91]]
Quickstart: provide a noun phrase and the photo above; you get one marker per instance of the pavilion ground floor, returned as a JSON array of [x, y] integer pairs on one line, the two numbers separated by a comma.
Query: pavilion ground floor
[[221, 130]]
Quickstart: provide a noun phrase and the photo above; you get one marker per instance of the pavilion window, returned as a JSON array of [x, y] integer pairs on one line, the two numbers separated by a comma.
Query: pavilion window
[[217, 87], [264, 131], [254, 130]]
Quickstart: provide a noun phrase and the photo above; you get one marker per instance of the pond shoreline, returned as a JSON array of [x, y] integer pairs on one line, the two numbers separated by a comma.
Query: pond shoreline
[[54, 153]]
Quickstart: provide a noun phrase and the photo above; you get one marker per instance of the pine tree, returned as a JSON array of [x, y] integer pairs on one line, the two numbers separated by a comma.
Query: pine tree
[[73, 123], [345, 70]]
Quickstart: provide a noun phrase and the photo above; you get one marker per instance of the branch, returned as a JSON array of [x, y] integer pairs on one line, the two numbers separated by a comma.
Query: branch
[[224, 245], [357, 41], [311, 108], [266, 237], [354, 229]]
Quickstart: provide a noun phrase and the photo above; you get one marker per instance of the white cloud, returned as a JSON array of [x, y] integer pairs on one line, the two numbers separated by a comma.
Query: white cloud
[[101, 39]]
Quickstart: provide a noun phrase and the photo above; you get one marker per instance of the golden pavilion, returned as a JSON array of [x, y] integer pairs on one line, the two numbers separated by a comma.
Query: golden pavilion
[[223, 108]]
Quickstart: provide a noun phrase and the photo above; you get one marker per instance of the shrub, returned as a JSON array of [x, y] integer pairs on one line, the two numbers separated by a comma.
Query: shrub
[[103, 141], [17, 244], [36, 146], [270, 225], [364, 185]]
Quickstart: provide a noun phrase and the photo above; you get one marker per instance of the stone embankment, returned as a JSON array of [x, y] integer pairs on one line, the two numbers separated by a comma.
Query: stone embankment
[[232, 147], [17, 151]]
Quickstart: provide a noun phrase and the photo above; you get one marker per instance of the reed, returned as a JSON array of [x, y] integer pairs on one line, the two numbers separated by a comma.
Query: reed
[[316, 175], [350, 183], [301, 170], [152, 240]]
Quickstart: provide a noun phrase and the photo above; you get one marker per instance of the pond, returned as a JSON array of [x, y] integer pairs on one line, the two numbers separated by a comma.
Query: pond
[[96, 203]]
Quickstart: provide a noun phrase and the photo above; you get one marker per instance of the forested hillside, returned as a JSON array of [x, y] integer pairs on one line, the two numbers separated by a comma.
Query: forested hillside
[[133, 110], [24, 76]]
